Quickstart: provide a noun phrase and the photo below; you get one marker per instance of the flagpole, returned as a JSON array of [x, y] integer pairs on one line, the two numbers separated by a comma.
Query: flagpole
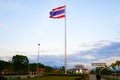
[[57, 13], [65, 57]]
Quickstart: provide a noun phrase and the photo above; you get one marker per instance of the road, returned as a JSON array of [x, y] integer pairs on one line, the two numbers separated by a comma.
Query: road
[[19, 76], [93, 77]]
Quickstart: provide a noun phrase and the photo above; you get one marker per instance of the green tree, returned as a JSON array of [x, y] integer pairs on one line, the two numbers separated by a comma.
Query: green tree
[[105, 70], [113, 66], [92, 71], [62, 69], [5, 65], [117, 64], [2, 65], [33, 67], [20, 63], [98, 70], [49, 69]]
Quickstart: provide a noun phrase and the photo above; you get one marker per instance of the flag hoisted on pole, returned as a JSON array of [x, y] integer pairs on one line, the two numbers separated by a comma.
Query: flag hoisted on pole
[[57, 13]]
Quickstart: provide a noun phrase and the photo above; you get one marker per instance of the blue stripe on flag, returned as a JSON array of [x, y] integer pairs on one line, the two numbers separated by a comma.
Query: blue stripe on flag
[[54, 13]]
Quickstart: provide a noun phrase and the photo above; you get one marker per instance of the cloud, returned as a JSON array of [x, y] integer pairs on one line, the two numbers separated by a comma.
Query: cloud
[[6, 58], [107, 52], [109, 60], [50, 60], [88, 57], [103, 51]]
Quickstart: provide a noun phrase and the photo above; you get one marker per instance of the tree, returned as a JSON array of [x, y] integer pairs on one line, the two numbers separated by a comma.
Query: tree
[[2, 65], [106, 70], [117, 64], [62, 69], [113, 66], [98, 70], [5, 66], [92, 71], [20, 63], [33, 67]]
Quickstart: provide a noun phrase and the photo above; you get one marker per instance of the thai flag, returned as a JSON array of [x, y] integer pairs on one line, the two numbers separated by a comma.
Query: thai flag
[[58, 12]]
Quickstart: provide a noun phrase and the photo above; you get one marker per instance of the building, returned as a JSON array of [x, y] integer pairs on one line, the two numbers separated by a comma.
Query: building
[[79, 69]]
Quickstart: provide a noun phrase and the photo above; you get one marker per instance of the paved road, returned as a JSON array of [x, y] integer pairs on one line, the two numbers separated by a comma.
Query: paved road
[[116, 77], [93, 77], [19, 76]]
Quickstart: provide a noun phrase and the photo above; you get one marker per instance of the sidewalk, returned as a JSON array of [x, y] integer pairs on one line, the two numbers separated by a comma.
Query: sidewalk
[[93, 77]]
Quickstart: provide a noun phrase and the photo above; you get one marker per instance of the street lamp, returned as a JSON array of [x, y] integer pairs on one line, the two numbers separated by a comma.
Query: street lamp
[[38, 57]]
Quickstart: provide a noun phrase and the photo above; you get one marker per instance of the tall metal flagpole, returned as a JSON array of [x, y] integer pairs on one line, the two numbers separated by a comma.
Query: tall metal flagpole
[[65, 57], [38, 58], [53, 14]]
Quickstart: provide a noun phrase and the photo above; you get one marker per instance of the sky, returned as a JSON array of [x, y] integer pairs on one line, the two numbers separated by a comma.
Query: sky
[[92, 31]]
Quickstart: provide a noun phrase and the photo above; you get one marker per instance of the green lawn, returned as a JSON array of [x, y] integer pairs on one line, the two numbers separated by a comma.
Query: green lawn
[[55, 78]]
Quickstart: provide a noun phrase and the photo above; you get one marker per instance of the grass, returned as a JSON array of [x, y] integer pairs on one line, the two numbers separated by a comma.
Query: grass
[[55, 78]]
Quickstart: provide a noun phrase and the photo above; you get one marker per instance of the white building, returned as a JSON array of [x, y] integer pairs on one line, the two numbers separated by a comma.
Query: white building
[[79, 69]]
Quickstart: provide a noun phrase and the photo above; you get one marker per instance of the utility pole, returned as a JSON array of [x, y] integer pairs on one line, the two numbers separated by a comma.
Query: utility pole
[[38, 58]]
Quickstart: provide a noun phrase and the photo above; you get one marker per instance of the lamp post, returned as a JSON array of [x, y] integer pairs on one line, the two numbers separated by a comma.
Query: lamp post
[[38, 58]]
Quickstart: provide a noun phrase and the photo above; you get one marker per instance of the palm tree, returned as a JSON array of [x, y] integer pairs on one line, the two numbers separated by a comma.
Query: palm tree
[[115, 66], [98, 70], [106, 70], [117, 63]]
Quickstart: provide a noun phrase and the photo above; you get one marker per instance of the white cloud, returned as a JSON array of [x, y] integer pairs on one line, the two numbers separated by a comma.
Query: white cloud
[[6, 58], [57, 48], [109, 60], [88, 57], [77, 47], [99, 44]]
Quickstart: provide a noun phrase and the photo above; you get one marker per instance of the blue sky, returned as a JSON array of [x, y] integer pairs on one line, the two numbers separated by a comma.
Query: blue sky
[[90, 24]]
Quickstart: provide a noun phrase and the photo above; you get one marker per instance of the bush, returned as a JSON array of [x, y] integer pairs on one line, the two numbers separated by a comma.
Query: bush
[[2, 78]]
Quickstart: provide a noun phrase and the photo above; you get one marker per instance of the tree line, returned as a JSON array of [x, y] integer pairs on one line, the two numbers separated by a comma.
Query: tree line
[[113, 69], [20, 65]]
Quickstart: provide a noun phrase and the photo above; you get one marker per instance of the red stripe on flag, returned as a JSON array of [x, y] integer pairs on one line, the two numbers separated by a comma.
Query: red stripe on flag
[[62, 16], [58, 8]]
